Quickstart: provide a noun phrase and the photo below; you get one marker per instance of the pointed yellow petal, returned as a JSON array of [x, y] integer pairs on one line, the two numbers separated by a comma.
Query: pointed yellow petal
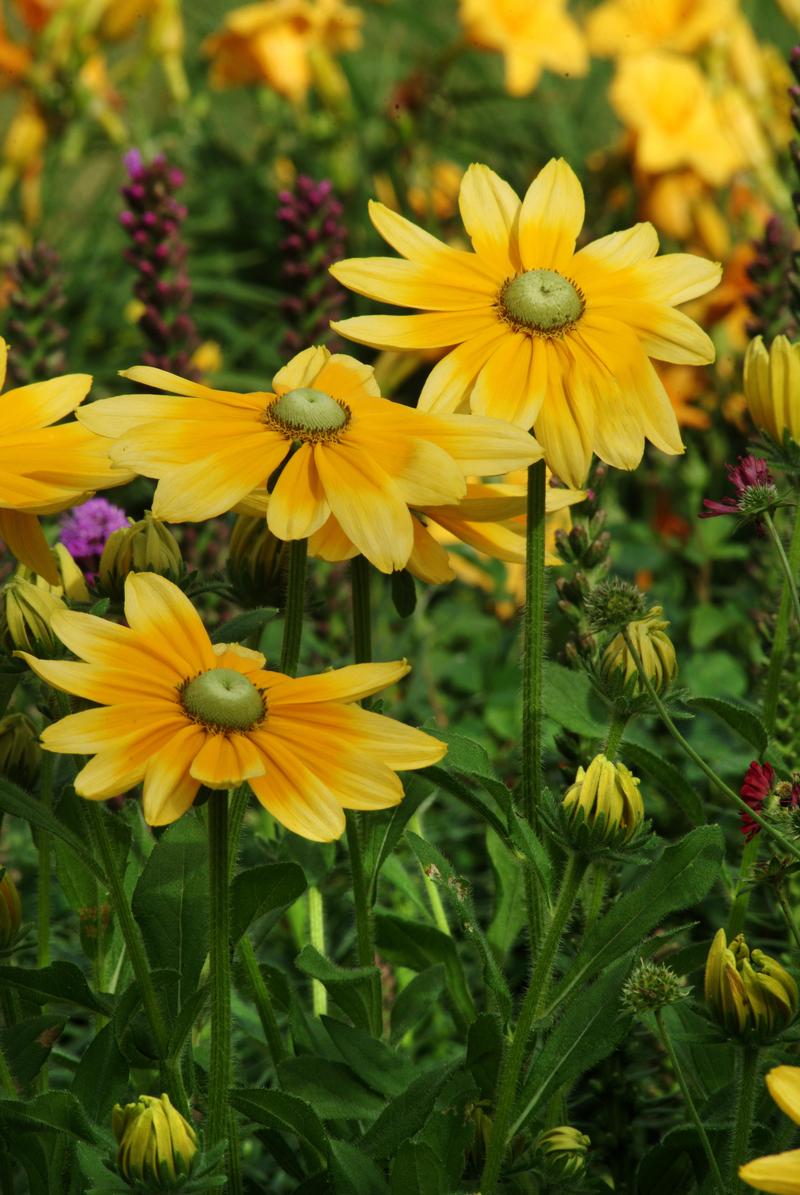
[[42, 403], [367, 503], [214, 484], [784, 1087], [160, 379], [331, 543], [508, 387], [464, 269], [352, 683], [298, 506], [619, 250], [563, 427], [25, 539], [162, 616], [107, 727], [677, 277], [450, 382], [169, 788], [226, 760], [778, 1174], [295, 795], [432, 330], [429, 560], [345, 378], [490, 209], [413, 284], [482, 445], [551, 218]]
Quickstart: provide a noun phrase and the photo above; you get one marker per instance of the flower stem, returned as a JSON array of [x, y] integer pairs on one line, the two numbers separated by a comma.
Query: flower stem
[[747, 1089], [780, 638], [689, 1102], [708, 771], [219, 1074], [316, 932], [238, 808], [45, 868], [7, 1085], [362, 617], [616, 730], [788, 574], [431, 890], [533, 633], [295, 605], [788, 916], [535, 1000], [262, 1000]]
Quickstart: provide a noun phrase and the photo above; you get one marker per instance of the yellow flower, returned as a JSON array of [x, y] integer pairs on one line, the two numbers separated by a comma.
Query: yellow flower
[[772, 386], [156, 1144], [532, 37], [779, 1173], [624, 27], [546, 337], [273, 42], [326, 437], [44, 468], [748, 993], [178, 712], [667, 102]]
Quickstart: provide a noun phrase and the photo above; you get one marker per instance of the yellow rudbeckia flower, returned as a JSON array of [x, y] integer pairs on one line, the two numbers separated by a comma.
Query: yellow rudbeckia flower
[[324, 436], [779, 1173], [43, 468], [532, 37], [546, 336], [624, 27], [177, 712]]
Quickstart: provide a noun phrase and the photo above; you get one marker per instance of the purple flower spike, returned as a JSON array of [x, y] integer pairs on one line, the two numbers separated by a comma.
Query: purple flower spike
[[85, 529], [316, 237]]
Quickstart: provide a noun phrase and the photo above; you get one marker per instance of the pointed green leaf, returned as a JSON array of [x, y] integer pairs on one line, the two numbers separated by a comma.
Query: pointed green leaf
[[268, 888], [283, 1112], [60, 983]]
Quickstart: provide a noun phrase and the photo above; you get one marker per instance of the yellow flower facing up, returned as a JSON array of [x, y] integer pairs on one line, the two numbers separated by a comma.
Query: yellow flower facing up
[[532, 37], [546, 336], [625, 27], [748, 993], [324, 436], [156, 1144], [45, 469], [177, 712], [667, 103], [779, 1173], [274, 43], [772, 386]]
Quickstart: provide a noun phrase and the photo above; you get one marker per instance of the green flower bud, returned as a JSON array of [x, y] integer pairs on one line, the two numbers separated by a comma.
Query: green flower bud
[[26, 615], [652, 986], [748, 993], [614, 604], [20, 754], [564, 1150], [10, 911], [648, 635], [156, 1145], [257, 563], [73, 582], [605, 799], [147, 546]]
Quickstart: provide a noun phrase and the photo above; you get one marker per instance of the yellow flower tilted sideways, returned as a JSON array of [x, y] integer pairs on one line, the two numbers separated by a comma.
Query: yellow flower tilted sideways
[[45, 469], [531, 37], [322, 442], [779, 1174], [545, 337], [656, 651], [772, 386], [177, 712]]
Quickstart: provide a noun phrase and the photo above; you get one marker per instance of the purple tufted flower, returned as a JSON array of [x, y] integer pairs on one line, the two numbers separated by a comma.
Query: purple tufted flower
[[755, 491], [85, 529], [314, 239]]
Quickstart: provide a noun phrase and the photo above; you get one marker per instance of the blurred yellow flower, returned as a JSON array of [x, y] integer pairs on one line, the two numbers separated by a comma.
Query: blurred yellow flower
[[272, 42], [667, 103], [622, 27], [772, 387], [532, 37], [779, 1173], [546, 336], [434, 190], [685, 386]]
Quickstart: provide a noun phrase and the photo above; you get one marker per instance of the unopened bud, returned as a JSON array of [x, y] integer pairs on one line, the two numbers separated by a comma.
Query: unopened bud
[[603, 806], [26, 615], [563, 1150], [156, 1144], [652, 986], [257, 563], [20, 753], [748, 993], [147, 546], [10, 911], [618, 666]]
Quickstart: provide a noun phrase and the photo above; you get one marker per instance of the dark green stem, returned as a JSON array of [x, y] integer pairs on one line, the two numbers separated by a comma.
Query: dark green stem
[[7, 1084], [780, 638], [533, 1004], [788, 916], [45, 867], [262, 1000], [707, 771], [236, 812], [533, 633], [295, 606], [316, 934], [616, 730], [689, 1102], [219, 1075], [360, 578], [234, 1186], [788, 573], [747, 1090]]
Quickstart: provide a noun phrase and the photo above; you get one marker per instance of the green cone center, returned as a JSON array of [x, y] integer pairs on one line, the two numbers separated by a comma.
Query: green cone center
[[543, 300], [223, 697], [309, 410]]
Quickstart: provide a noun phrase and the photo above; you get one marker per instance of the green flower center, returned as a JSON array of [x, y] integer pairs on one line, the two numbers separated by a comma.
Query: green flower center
[[542, 300], [308, 414], [224, 699]]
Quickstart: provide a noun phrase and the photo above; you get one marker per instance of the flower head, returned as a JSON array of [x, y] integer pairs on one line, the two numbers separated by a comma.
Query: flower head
[[779, 1173], [178, 712], [758, 789], [546, 337], [156, 1144], [86, 529], [627, 27], [322, 441], [748, 993], [772, 386], [754, 486], [531, 38], [655, 649], [605, 798]]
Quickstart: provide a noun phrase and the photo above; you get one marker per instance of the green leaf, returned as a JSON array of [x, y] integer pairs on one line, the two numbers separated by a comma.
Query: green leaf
[[673, 1165], [743, 721], [485, 1044], [352, 988], [375, 1064], [417, 1000], [11, 672], [352, 1173], [54, 1111], [237, 629], [406, 1114], [417, 1171], [587, 1033], [27, 1044], [470, 759], [101, 1078], [533, 851], [419, 946], [678, 879], [570, 701], [330, 1087], [667, 776], [283, 1112], [184, 1022], [509, 896], [19, 803], [268, 888], [475, 801], [384, 830], [60, 983], [171, 903]]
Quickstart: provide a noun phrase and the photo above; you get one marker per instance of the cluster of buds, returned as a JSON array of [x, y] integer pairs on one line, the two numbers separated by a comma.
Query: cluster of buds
[[652, 986], [85, 530], [26, 616], [314, 239], [748, 993], [256, 564], [563, 1151], [20, 754], [602, 808], [584, 549], [618, 667], [761, 792], [755, 492], [156, 1144], [153, 220], [10, 911], [35, 296], [146, 546]]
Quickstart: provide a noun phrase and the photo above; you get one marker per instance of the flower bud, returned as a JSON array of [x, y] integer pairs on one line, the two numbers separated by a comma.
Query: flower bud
[[26, 615], [156, 1144], [772, 387], [10, 911], [648, 635], [147, 546], [257, 563], [564, 1150], [749, 994], [20, 754], [605, 800], [614, 604], [652, 986]]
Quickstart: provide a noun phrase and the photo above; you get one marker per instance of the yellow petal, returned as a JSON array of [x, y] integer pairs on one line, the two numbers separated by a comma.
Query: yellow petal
[[677, 277], [432, 330], [295, 795], [619, 250], [298, 506], [107, 727], [564, 425], [482, 445], [412, 284], [226, 760], [551, 217], [113, 772], [784, 1087], [666, 334], [331, 543], [114, 417], [465, 269], [352, 683], [160, 379], [169, 789], [778, 1174], [3, 361], [429, 560], [367, 503], [25, 539], [490, 209], [345, 378], [400, 747], [213, 485], [162, 616], [450, 382], [301, 370], [508, 387], [42, 403]]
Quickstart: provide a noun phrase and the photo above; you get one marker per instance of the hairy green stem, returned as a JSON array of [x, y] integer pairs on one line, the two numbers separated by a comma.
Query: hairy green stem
[[362, 609], [788, 915], [316, 933], [691, 1108], [788, 573], [535, 1000], [262, 1000], [616, 730], [234, 1186], [431, 890], [219, 1075], [44, 874], [238, 807], [746, 1092], [533, 633], [295, 606], [780, 638], [717, 781]]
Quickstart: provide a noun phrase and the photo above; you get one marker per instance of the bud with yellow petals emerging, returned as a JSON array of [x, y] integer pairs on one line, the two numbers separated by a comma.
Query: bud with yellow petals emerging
[[564, 1150], [257, 563], [772, 387], [20, 753], [603, 806], [618, 666], [147, 546], [156, 1144], [26, 615], [748, 993], [10, 911]]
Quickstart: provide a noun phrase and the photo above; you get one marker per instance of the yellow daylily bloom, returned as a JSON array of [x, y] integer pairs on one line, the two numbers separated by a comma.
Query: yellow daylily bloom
[[43, 468], [326, 437], [546, 336], [531, 38], [625, 27], [772, 386], [176, 712], [779, 1173]]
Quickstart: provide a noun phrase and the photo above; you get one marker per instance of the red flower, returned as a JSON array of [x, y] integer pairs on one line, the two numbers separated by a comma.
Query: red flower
[[756, 787]]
